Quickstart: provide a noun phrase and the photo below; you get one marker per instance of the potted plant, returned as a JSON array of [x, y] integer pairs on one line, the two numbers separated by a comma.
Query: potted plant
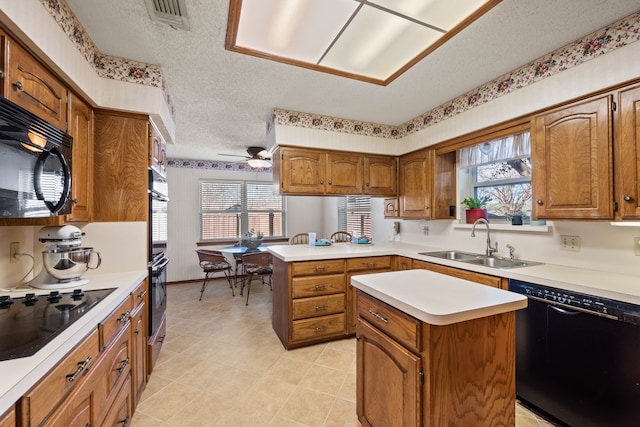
[[515, 217], [476, 208], [252, 239]]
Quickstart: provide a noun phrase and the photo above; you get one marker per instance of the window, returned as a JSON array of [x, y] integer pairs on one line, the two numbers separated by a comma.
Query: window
[[229, 209], [500, 169], [354, 215]]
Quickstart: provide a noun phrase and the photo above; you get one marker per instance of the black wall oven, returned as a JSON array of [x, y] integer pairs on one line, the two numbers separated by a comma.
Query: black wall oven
[[158, 259], [35, 165], [578, 356]]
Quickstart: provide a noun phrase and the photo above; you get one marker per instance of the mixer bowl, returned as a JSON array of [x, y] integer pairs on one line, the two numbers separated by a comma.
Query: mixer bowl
[[69, 264]]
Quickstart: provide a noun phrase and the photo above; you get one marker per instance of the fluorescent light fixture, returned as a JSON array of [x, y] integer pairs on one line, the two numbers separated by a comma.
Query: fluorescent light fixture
[[259, 163], [373, 41], [625, 223]]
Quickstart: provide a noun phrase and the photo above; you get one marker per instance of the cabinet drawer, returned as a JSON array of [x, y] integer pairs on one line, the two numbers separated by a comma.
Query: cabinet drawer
[[369, 263], [55, 386], [314, 286], [400, 326], [310, 268], [318, 327], [139, 295], [318, 306], [121, 411], [114, 322], [484, 279]]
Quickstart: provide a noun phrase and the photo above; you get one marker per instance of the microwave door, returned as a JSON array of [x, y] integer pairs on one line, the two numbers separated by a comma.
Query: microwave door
[[47, 175]]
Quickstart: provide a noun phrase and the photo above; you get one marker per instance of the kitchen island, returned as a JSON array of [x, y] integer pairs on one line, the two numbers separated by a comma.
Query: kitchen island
[[434, 350]]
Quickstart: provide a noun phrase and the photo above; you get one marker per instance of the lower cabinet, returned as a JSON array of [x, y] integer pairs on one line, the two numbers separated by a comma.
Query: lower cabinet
[[411, 373], [122, 410], [365, 265]]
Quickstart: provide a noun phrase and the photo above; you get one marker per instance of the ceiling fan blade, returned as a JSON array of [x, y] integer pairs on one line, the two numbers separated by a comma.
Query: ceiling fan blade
[[234, 155], [264, 154]]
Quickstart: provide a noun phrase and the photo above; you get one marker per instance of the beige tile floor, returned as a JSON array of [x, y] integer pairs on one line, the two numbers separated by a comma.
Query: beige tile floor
[[222, 365]]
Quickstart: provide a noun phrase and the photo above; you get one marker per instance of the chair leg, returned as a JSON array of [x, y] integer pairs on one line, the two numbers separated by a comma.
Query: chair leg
[[230, 280], [248, 289], [204, 285]]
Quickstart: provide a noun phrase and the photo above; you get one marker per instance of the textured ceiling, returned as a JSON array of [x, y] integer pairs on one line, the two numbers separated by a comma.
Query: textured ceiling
[[224, 99]]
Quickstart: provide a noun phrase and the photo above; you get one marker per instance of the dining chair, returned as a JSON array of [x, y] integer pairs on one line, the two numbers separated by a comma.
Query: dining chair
[[341, 236], [213, 262], [299, 239], [254, 265]]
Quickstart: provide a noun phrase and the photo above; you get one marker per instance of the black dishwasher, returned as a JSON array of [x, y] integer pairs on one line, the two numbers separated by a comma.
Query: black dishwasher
[[578, 356]]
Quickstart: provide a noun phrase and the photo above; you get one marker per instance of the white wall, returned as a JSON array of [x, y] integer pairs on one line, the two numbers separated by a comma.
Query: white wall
[[303, 214]]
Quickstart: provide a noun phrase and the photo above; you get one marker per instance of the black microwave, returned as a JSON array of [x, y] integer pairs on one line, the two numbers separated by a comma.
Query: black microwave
[[35, 165]]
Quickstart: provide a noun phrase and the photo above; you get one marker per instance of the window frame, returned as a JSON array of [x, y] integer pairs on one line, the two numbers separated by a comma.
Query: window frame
[[343, 214], [244, 210]]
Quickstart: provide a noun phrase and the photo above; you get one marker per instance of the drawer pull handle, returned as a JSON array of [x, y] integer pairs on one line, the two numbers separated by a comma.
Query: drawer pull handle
[[137, 331], [321, 328], [18, 85], [82, 366], [124, 422], [320, 287], [123, 365], [125, 316], [320, 267], [142, 294], [320, 307], [377, 316], [371, 264]]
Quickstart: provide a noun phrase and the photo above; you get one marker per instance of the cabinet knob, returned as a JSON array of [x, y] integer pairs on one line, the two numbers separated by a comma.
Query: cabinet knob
[[322, 182], [330, 183], [628, 198], [18, 85], [74, 201], [540, 202]]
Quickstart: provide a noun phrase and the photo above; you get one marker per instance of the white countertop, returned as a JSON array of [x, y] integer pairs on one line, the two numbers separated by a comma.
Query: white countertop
[[436, 298], [19, 375], [620, 287]]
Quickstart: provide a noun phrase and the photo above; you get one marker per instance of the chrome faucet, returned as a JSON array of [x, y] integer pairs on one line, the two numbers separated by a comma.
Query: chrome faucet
[[490, 250]]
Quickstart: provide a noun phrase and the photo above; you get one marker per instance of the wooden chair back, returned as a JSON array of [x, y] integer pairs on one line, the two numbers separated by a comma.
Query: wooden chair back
[[341, 236], [299, 239]]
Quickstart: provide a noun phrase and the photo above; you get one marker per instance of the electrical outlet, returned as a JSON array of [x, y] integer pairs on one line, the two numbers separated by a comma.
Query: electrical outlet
[[570, 243], [636, 245], [14, 248]]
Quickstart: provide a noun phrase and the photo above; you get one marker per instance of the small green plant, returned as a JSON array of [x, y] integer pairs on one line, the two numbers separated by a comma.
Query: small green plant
[[476, 202], [252, 235], [515, 213]]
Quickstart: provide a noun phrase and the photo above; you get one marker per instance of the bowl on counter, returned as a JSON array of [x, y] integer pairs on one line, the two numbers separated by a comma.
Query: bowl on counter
[[70, 264]]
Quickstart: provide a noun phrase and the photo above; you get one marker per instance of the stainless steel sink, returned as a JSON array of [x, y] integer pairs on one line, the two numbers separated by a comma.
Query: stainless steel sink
[[455, 255], [480, 259]]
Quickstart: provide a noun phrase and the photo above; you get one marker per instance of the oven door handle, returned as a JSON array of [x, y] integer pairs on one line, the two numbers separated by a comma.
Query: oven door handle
[[160, 264], [563, 310], [156, 195]]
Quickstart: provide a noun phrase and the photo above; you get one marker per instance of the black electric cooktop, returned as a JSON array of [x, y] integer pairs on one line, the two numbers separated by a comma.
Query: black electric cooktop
[[27, 324]]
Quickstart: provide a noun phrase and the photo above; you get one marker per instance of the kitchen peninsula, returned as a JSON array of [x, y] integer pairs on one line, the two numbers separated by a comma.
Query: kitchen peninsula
[[437, 350]]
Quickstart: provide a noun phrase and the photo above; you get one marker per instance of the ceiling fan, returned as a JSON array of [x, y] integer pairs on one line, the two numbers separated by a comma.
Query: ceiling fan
[[258, 157]]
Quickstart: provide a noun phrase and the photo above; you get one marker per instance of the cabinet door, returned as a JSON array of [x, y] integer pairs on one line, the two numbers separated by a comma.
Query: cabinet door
[[81, 129], [344, 174], [571, 156], [302, 171], [388, 390], [74, 412], [415, 187], [380, 176], [139, 350], [628, 160], [34, 88], [391, 208]]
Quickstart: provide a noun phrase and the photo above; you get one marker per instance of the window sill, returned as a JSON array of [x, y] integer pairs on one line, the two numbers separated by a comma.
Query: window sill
[[508, 227]]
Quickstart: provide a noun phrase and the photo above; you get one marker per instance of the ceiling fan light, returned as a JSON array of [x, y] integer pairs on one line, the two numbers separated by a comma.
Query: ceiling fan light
[[259, 163]]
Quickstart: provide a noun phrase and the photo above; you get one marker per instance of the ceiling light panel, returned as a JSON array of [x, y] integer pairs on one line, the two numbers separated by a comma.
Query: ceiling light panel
[[297, 29], [376, 44], [438, 13]]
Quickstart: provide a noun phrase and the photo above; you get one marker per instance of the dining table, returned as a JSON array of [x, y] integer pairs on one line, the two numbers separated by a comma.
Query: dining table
[[236, 253]]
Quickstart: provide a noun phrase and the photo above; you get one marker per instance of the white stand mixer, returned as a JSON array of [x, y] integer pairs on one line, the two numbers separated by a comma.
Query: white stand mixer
[[64, 260]]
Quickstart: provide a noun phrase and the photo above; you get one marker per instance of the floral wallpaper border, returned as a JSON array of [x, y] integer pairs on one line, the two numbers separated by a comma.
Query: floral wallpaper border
[[601, 42], [214, 165], [108, 67]]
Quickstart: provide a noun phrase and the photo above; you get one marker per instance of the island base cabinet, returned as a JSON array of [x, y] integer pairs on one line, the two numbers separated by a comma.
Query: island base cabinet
[[467, 370], [388, 380]]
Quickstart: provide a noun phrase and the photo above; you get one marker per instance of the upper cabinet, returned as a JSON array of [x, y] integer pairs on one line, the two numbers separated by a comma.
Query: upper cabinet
[[427, 185], [157, 151], [317, 172], [29, 84], [571, 158], [628, 154], [81, 129]]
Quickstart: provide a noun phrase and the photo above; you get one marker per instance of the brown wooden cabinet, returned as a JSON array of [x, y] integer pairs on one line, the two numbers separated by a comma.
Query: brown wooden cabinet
[[8, 419], [391, 207], [32, 86], [412, 373], [627, 169], [427, 185], [571, 156], [484, 279], [363, 265], [139, 339], [121, 159], [318, 172], [81, 129], [309, 301]]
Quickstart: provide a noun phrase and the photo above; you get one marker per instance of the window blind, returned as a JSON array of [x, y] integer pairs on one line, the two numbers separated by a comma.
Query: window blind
[[354, 215]]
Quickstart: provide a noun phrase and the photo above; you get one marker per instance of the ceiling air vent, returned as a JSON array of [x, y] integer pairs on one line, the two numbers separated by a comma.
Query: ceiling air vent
[[170, 12]]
